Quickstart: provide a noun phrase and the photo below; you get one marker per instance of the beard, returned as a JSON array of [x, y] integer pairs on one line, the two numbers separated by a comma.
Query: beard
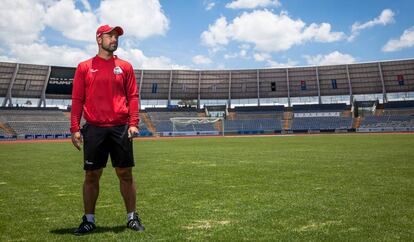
[[110, 47]]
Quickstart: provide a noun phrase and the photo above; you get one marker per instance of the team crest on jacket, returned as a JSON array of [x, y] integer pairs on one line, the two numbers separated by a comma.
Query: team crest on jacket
[[117, 70]]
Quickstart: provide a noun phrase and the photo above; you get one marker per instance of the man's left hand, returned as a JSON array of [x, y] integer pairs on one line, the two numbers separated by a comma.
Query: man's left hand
[[132, 131]]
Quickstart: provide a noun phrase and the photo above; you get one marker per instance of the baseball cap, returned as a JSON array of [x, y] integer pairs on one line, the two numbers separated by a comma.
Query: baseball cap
[[106, 29]]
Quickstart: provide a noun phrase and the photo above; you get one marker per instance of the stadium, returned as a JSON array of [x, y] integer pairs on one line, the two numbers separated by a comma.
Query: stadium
[[280, 154], [215, 120]]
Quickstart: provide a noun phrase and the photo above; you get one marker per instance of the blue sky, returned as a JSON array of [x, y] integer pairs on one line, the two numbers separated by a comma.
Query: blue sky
[[210, 34]]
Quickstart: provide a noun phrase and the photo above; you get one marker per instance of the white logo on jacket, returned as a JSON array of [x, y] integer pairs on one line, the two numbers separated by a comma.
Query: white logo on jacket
[[117, 70]]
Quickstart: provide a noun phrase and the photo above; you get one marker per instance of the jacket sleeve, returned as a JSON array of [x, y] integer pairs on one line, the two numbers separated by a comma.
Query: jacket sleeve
[[132, 98], [78, 98]]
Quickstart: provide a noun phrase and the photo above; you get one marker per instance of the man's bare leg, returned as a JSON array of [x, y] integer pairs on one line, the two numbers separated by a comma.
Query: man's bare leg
[[127, 187], [91, 190], [90, 196], [128, 191]]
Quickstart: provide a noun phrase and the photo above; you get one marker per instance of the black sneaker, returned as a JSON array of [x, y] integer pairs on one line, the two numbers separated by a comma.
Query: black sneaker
[[135, 223], [85, 227]]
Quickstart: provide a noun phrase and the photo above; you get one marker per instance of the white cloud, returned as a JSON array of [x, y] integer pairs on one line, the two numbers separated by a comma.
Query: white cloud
[[21, 36], [267, 58], [139, 18], [322, 33], [269, 32], [231, 56], [21, 21], [333, 58], [245, 47], [209, 5], [140, 61], [201, 60], [275, 64], [217, 33], [243, 52], [68, 56], [74, 24], [5, 58], [250, 4], [240, 54], [21, 40], [40, 53], [26, 19], [86, 5], [386, 17], [262, 56], [406, 40]]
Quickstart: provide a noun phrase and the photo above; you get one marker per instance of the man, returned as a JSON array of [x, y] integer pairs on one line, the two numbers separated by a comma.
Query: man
[[105, 91]]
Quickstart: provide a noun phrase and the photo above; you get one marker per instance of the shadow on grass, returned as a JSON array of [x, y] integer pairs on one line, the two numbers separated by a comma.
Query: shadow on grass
[[114, 229]]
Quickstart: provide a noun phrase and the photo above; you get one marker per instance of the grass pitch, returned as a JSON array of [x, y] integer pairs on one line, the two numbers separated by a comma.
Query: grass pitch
[[284, 188]]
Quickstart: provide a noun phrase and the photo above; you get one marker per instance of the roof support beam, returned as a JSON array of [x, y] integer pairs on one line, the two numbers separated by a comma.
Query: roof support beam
[[384, 92], [8, 99], [199, 91], [169, 89], [258, 87], [229, 100], [288, 87], [43, 96], [351, 96], [319, 86]]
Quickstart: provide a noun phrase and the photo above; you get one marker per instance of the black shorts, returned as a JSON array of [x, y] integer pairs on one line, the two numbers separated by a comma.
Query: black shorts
[[99, 142]]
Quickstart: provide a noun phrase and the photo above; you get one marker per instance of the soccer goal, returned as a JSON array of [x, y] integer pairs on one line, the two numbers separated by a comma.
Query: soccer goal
[[183, 126]]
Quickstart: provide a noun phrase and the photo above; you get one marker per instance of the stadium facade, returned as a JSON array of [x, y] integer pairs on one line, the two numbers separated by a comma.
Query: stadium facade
[[40, 85]]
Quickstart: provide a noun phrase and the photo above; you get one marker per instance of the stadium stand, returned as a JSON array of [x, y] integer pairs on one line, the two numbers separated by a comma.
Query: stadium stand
[[36, 114], [321, 117], [3, 132], [394, 116], [161, 118], [6, 132], [40, 123], [256, 126], [336, 107], [305, 124], [388, 121], [255, 120], [368, 87], [36, 122], [398, 108], [399, 105], [143, 129]]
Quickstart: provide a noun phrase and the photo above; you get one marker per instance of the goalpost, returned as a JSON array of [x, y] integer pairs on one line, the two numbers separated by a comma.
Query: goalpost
[[197, 126]]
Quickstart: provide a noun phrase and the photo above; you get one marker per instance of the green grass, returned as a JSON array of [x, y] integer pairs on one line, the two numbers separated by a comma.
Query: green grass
[[285, 188]]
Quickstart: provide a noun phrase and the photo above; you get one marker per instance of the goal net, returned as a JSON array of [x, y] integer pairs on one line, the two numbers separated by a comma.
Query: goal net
[[197, 126]]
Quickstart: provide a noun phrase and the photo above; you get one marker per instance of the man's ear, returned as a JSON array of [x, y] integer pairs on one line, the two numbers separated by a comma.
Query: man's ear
[[99, 40]]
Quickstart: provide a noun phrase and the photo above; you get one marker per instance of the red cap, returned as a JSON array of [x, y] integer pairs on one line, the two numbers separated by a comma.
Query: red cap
[[106, 29]]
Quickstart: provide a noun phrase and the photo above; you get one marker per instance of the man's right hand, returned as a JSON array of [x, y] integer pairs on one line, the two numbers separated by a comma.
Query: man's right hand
[[77, 140]]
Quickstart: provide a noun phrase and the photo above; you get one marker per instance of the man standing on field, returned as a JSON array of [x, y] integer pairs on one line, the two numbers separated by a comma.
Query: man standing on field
[[105, 91]]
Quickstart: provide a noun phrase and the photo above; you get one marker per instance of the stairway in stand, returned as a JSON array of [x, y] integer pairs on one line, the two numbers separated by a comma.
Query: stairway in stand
[[148, 122], [287, 120], [6, 128], [357, 123], [231, 116]]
